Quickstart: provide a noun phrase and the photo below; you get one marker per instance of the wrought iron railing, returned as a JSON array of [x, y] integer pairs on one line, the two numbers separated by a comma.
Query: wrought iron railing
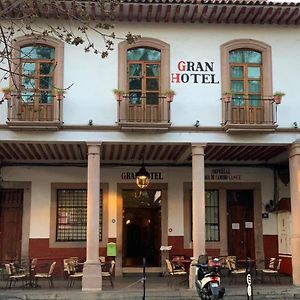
[[143, 110], [32, 110], [238, 110]]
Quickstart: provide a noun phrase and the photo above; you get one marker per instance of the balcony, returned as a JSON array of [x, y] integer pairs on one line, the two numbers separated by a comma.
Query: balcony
[[249, 115], [143, 113], [34, 113]]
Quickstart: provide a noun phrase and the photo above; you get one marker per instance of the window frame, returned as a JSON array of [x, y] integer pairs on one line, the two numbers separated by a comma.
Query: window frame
[[57, 79], [53, 216], [248, 44], [150, 43], [245, 80], [78, 216]]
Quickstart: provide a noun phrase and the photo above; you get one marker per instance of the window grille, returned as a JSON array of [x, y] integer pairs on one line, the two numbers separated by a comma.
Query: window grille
[[212, 227], [212, 215], [72, 215]]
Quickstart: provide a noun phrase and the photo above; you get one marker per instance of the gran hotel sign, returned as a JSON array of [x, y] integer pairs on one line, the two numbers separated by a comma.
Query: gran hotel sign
[[202, 72]]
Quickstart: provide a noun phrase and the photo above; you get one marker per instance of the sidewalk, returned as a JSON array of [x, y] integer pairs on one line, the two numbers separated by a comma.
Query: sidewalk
[[156, 288]]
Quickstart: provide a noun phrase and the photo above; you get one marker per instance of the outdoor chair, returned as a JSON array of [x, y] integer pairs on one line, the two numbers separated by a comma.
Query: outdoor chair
[[72, 273], [272, 270], [234, 272], [47, 276], [65, 265], [14, 276], [173, 273], [107, 271]]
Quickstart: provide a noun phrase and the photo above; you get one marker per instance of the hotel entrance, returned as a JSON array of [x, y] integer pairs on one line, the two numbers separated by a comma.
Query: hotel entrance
[[141, 227]]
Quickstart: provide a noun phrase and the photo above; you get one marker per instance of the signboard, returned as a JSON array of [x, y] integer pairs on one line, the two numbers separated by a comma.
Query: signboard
[[235, 226], [222, 174], [248, 224], [111, 249], [131, 175], [200, 72]]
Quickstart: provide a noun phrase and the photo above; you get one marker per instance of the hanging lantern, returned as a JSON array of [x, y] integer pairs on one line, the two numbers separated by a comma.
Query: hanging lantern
[[142, 178]]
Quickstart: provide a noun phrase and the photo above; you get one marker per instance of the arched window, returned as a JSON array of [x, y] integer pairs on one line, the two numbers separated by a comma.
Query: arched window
[[246, 76], [242, 53], [144, 74], [37, 75], [246, 72]]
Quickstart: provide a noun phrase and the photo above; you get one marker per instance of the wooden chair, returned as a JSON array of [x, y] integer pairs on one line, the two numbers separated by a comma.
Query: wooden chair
[[272, 270], [173, 273], [47, 276], [234, 272], [13, 275], [108, 270], [72, 273]]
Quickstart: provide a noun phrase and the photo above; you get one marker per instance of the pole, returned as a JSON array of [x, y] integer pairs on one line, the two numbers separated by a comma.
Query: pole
[[144, 278], [249, 280]]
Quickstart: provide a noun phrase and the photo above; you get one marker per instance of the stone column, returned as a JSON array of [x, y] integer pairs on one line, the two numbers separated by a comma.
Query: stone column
[[92, 279], [294, 162], [198, 204]]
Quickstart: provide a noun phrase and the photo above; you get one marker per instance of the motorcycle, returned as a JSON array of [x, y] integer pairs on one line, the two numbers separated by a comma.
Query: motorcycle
[[208, 278]]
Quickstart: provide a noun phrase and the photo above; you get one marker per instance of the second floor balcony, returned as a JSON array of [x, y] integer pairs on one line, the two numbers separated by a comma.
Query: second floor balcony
[[243, 114], [144, 112], [37, 110]]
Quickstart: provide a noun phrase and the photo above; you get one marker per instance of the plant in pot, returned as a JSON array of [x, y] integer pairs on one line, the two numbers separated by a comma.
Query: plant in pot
[[227, 96], [59, 93], [118, 94], [7, 92], [169, 94], [278, 97]]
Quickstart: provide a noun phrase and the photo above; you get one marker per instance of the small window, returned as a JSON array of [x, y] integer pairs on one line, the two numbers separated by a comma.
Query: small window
[[72, 215]]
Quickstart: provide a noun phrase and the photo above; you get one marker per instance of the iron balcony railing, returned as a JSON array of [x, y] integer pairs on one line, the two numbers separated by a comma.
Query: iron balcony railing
[[143, 110], [33, 109], [238, 110]]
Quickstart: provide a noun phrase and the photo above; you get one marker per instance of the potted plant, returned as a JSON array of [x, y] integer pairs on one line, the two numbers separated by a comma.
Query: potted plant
[[278, 97], [227, 96], [7, 92], [59, 93], [169, 94], [118, 94]]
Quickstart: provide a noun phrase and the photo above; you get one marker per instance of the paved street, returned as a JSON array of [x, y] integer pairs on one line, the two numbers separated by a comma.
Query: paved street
[[156, 288]]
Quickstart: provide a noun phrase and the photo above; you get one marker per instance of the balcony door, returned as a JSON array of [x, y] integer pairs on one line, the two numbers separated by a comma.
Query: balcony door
[[246, 86], [144, 85]]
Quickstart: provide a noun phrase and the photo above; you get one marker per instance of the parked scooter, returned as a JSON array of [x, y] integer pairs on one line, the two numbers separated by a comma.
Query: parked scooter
[[208, 278]]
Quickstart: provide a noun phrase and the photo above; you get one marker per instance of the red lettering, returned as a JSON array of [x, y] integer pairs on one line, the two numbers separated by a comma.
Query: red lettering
[[175, 78], [181, 65]]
